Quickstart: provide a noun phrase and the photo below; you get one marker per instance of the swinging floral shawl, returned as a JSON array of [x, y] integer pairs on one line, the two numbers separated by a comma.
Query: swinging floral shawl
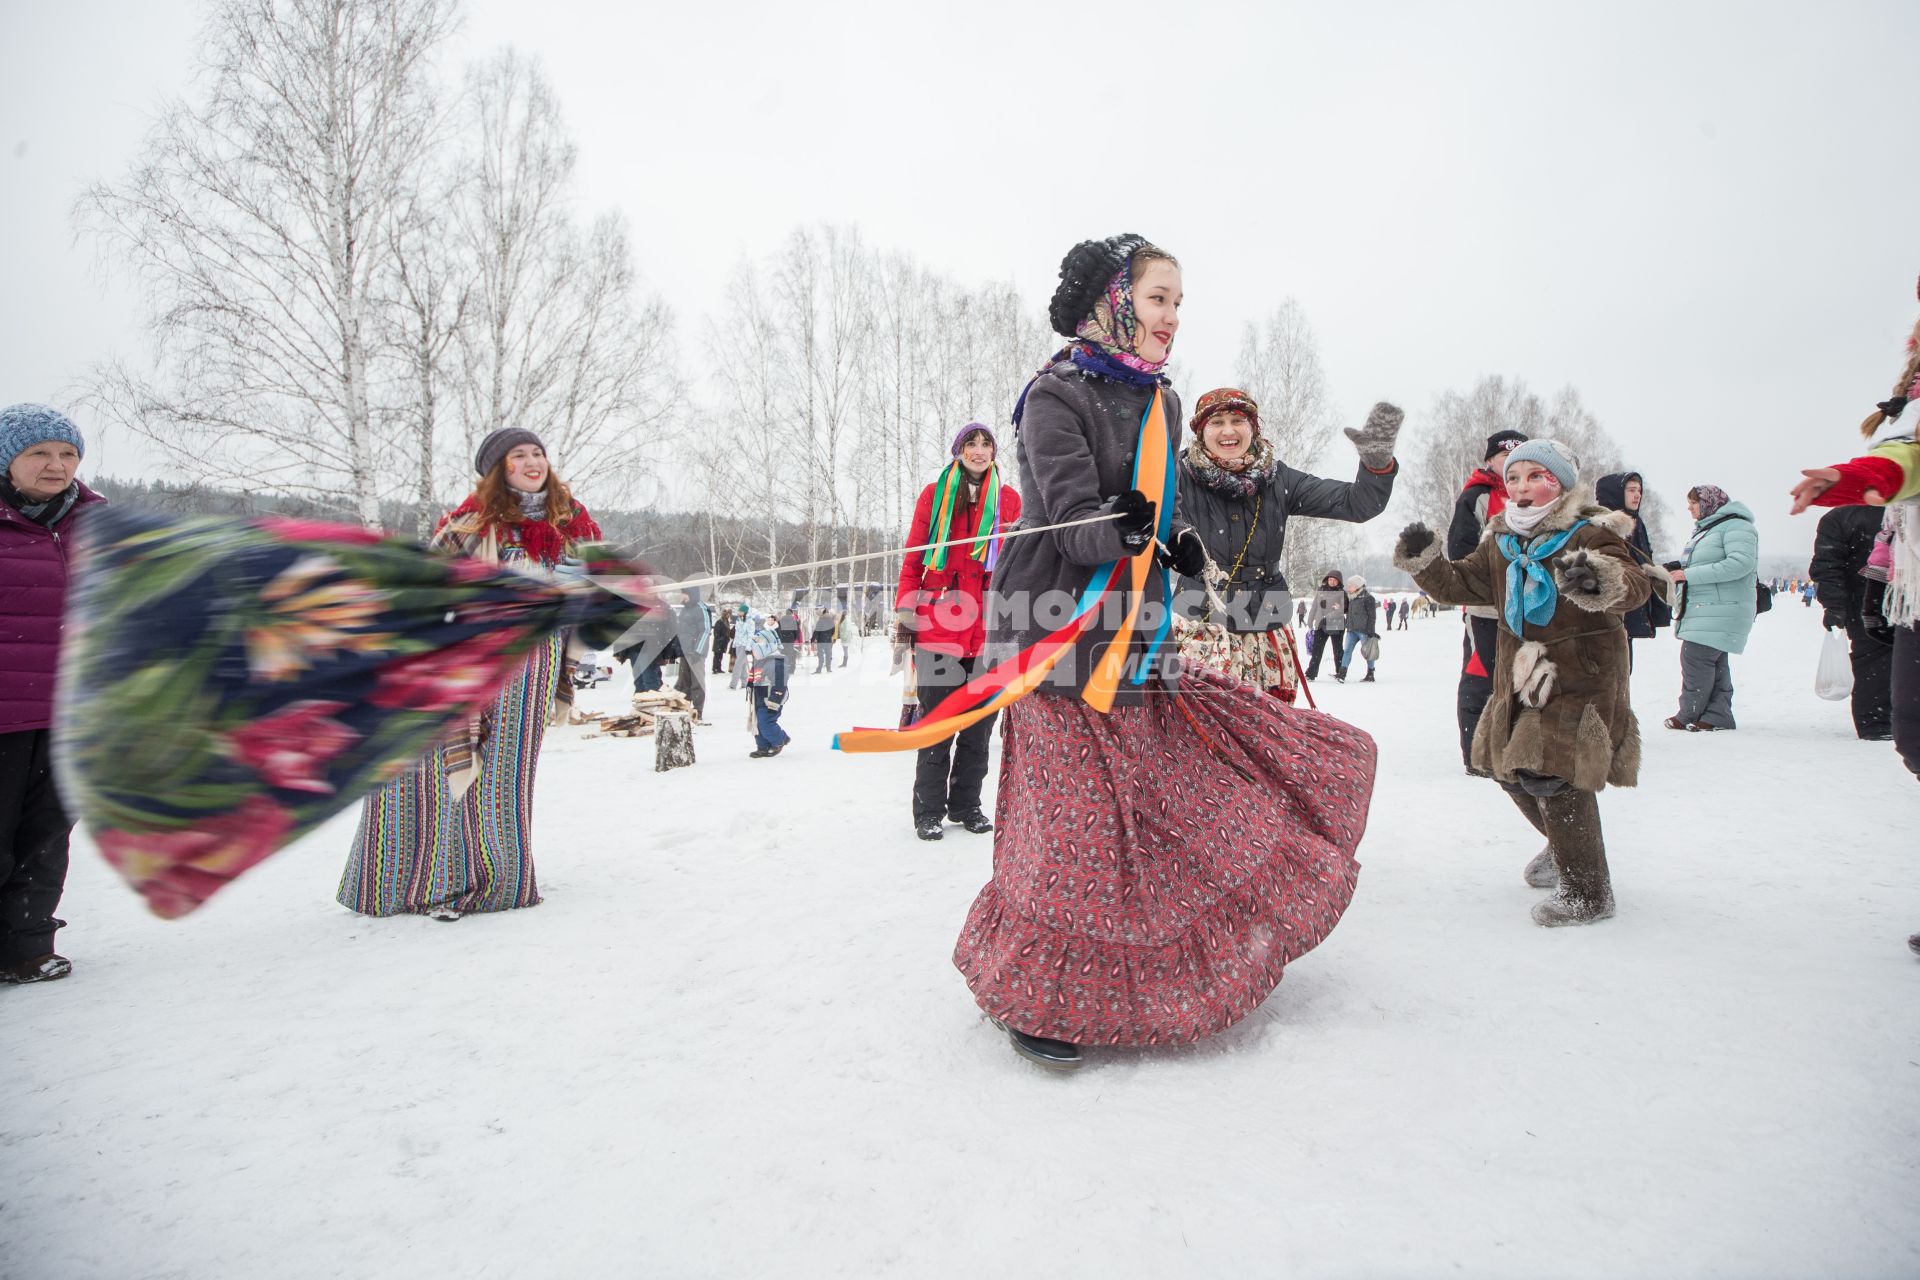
[[226, 686]]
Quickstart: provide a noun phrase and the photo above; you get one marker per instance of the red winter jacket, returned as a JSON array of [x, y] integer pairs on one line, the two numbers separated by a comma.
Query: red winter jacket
[[33, 601], [949, 605]]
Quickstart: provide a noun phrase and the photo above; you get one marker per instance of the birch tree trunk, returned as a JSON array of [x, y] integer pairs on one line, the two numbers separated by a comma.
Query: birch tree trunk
[[256, 221]]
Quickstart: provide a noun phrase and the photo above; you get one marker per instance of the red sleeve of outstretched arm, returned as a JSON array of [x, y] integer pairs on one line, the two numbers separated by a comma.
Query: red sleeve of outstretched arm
[[1883, 475], [913, 567]]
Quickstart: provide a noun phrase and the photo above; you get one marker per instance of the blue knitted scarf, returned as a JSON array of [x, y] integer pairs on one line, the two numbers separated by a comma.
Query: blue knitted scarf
[[1531, 595]]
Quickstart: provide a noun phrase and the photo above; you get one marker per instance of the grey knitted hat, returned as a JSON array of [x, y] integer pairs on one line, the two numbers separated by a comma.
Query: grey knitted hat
[[500, 444], [1552, 455]]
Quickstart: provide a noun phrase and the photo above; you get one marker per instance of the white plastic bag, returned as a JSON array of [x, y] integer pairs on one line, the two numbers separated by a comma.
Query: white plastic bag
[[1834, 680]]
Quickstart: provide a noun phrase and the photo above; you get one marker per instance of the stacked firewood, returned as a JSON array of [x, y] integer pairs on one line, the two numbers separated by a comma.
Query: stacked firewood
[[642, 721]]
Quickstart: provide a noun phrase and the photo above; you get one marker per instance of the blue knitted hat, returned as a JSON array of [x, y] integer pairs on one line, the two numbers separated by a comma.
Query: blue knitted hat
[[1552, 455], [23, 426]]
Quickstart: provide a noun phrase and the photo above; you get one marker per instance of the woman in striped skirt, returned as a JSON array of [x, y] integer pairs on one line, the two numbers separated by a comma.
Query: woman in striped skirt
[[455, 835]]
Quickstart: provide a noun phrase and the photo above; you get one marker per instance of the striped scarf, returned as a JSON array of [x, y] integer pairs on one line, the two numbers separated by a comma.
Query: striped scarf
[[947, 493]]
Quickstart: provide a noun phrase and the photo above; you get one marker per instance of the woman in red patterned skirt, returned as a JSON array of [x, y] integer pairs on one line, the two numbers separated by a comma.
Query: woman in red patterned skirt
[[1156, 865]]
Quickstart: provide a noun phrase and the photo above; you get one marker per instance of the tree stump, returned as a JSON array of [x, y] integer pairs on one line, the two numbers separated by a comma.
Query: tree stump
[[672, 740]]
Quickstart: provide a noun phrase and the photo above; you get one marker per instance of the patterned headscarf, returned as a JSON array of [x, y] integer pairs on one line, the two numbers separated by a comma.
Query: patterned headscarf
[[1221, 399], [1113, 325], [1711, 498]]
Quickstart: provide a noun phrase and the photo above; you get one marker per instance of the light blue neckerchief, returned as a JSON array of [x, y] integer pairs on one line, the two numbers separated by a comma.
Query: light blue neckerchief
[[1531, 595]]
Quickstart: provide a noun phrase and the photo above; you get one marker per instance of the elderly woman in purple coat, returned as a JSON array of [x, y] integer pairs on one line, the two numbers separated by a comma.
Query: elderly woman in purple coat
[[40, 500]]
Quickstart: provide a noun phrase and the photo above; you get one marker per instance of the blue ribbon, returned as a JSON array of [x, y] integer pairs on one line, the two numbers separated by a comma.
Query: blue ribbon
[[1531, 595], [1163, 530]]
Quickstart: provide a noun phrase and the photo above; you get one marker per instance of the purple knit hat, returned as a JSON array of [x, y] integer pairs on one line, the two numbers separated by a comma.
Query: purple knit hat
[[968, 430]]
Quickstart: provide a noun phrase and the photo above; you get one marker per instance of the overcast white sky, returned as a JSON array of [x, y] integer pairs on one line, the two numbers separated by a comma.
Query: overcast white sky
[[1702, 215]]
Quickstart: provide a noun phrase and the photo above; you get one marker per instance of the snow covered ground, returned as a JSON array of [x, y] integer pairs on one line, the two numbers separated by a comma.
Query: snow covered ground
[[730, 1042]]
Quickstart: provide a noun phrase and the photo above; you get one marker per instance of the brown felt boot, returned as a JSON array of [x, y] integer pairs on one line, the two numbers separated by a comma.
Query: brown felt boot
[[1585, 893], [1541, 872]]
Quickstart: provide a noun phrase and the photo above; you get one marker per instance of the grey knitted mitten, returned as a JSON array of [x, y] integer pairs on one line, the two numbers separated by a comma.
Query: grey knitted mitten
[[1375, 440]]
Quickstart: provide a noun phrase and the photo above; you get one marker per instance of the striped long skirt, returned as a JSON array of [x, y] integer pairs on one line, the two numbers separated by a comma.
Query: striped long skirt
[[418, 848]]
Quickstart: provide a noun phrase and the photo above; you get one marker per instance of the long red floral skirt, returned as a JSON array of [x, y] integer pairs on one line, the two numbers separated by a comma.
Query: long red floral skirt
[[1155, 868]]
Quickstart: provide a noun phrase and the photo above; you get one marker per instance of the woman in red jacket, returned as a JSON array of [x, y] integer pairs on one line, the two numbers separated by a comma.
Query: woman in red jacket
[[941, 609]]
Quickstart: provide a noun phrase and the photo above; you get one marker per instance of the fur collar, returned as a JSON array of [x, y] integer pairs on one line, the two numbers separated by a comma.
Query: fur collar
[[1578, 504]]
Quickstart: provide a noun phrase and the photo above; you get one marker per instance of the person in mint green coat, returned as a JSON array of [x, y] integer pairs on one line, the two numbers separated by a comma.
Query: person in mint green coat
[[1720, 570]]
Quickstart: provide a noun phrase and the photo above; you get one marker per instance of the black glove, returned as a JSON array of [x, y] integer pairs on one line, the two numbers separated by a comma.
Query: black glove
[[1137, 518], [1577, 573], [1184, 555], [1831, 618], [1414, 541]]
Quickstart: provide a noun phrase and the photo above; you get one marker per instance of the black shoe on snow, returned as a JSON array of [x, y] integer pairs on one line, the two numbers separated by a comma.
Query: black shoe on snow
[[975, 822], [1367, 678], [45, 969], [931, 829], [1913, 944], [1057, 1055]]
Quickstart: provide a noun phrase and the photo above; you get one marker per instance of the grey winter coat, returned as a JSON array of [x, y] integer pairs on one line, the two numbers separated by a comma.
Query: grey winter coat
[[1329, 611], [1075, 451], [1257, 597]]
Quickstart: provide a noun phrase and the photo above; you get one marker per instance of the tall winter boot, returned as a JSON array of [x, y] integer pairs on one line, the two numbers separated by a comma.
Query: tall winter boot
[[1585, 893], [1540, 872]]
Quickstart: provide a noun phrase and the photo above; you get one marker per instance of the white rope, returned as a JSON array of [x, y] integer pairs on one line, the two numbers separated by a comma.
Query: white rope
[[716, 579]]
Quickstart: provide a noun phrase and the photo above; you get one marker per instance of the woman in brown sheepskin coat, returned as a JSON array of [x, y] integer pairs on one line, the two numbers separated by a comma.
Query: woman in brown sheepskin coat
[[1559, 727]]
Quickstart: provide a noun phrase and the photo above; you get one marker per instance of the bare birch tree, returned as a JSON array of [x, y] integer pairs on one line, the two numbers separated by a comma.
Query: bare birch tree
[[559, 342], [1451, 440], [257, 220], [754, 472], [1279, 366], [429, 310]]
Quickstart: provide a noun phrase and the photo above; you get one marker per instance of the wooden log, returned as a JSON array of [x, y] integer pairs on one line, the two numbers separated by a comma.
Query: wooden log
[[673, 740]]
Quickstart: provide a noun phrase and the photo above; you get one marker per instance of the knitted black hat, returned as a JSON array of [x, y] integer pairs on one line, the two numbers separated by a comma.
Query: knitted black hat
[[1084, 273], [1501, 441]]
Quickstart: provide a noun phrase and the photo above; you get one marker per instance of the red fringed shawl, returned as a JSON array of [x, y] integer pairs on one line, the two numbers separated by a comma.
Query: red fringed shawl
[[542, 541]]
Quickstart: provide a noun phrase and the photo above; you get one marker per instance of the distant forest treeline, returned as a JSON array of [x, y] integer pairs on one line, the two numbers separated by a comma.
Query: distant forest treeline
[[682, 544]]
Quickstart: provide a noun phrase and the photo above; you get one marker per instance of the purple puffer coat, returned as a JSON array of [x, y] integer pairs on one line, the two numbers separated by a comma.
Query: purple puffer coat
[[33, 596]]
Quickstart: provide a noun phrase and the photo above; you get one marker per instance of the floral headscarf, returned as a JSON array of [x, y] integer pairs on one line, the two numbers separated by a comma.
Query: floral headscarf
[[1113, 325], [1711, 498]]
